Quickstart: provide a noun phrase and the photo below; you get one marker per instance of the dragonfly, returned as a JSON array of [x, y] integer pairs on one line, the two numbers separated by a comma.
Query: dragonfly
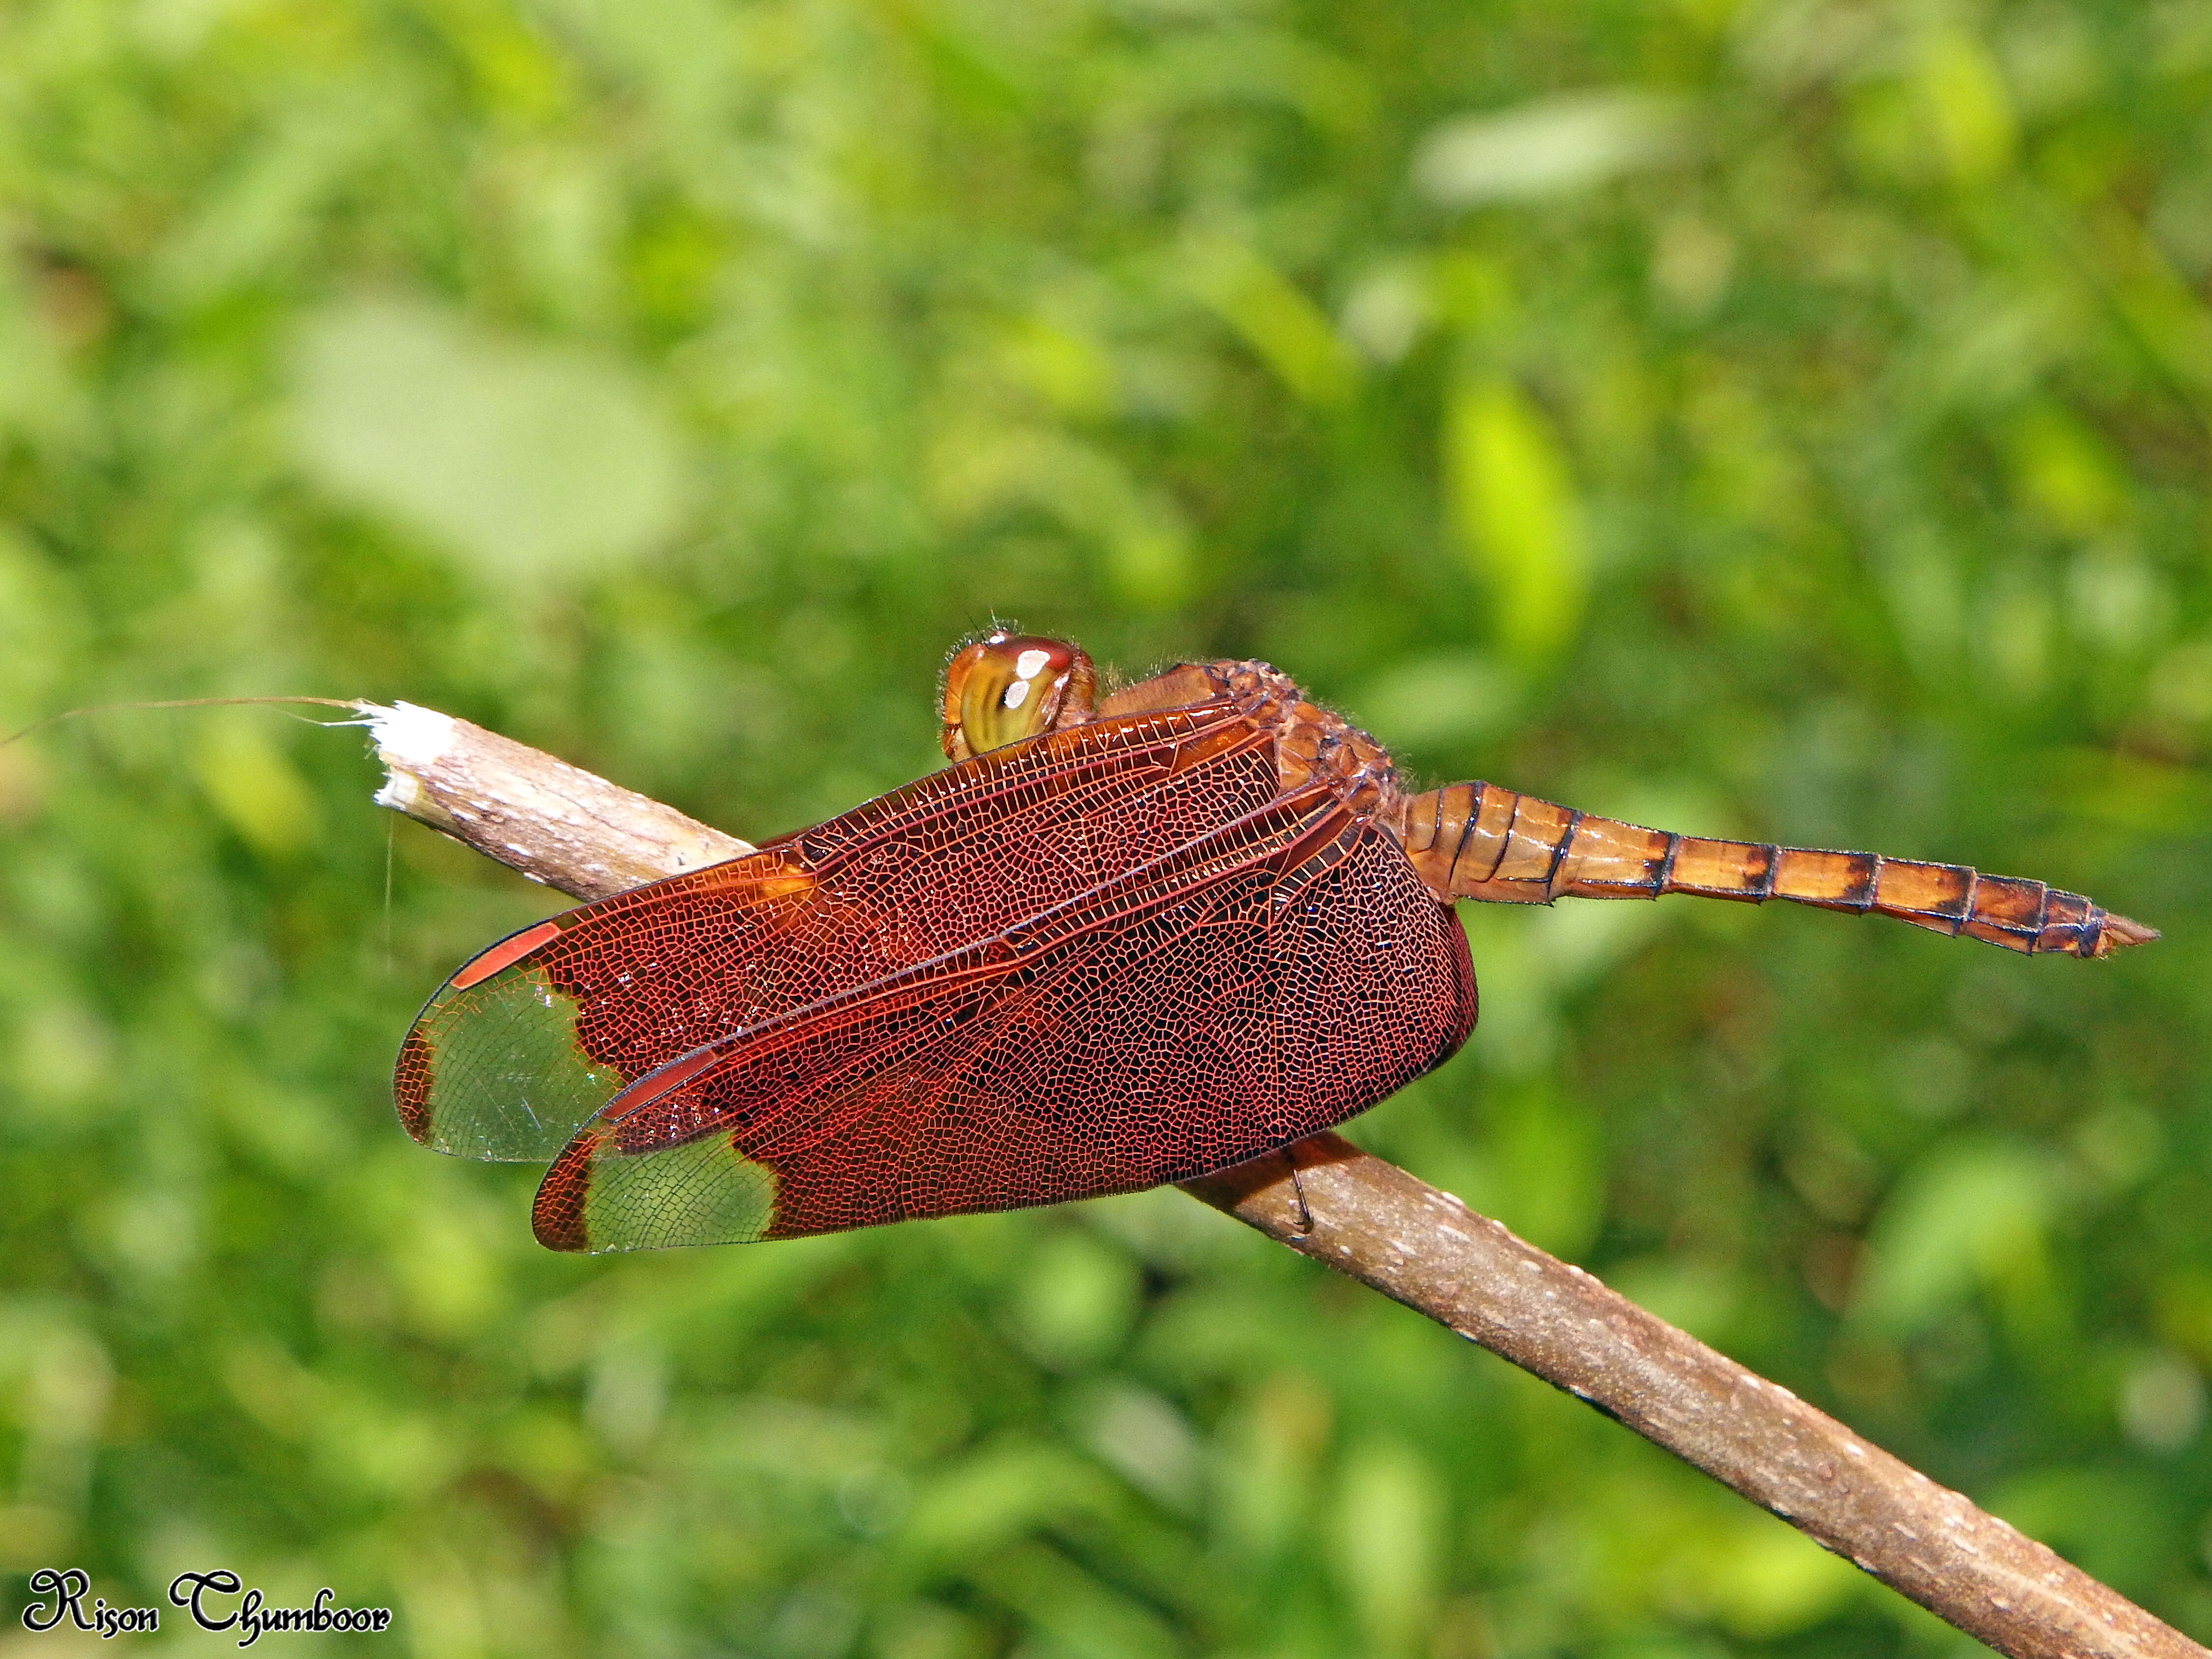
[[1122, 940]]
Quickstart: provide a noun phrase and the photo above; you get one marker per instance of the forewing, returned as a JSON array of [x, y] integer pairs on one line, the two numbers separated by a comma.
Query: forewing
[[512, 1054], [522, 1046], [1177, 1022]]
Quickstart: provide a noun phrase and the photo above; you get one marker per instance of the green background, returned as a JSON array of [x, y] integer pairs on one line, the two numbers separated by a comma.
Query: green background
[[1777, 417]]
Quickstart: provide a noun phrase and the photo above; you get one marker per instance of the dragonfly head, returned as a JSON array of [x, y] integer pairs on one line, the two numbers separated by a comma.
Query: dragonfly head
[[1005, 687]]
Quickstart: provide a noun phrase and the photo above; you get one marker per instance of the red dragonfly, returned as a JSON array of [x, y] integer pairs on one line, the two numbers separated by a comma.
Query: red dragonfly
[[1116, 943]]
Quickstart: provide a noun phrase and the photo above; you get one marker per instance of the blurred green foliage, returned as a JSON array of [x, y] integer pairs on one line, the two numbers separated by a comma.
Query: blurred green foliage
[[1786, 417]]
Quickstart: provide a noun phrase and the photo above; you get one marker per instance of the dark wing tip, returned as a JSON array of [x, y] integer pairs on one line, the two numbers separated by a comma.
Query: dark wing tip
[[557, 1216], [410, 1087]]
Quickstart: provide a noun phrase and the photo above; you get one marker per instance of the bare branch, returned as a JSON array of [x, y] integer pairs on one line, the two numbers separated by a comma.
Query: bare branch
[[555, 823], [1373, 1222]]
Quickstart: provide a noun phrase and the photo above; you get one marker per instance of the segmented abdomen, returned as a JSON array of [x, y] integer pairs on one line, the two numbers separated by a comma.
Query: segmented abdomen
[[1476, 840]]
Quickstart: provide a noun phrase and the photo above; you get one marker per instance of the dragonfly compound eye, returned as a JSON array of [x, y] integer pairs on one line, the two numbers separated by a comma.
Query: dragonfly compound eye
[[1005, 687]]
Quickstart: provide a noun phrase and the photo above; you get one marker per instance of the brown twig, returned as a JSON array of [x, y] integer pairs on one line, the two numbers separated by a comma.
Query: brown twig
[[555, 823], [1372, 1221]]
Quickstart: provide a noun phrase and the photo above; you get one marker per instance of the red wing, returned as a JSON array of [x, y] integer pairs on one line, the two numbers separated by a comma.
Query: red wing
[[501, 1062], [529, 1040], [1257, 987]]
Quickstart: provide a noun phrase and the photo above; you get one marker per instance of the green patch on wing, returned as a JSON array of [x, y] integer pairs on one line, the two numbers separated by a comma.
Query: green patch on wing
[[508, 1080], [705, 1192]]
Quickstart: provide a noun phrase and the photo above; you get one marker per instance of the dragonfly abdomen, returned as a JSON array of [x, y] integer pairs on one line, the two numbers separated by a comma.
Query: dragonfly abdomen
[[1477, 841]]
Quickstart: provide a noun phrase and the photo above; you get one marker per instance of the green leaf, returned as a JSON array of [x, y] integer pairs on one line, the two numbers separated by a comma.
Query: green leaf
[[1511, 500], [530, 463], [1548, 147]]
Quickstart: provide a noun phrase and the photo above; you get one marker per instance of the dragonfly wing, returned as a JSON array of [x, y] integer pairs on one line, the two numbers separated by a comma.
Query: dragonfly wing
[[531, 1038], [517, 1051], [1170, 1024]]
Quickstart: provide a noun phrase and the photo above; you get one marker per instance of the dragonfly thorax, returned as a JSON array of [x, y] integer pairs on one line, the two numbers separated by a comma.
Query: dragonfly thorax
[[1317, 744]]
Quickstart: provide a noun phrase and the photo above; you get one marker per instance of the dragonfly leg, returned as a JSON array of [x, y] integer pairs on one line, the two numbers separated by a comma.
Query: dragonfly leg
[[1297, 1190]]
